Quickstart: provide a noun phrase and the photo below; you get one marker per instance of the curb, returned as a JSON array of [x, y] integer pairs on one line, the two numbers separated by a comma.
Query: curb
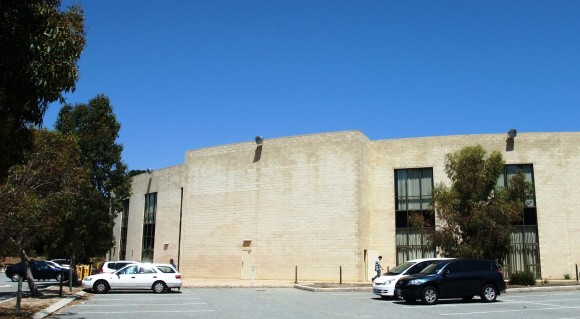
[[340, 289], [237, 286], [49, 310], [542, 289]]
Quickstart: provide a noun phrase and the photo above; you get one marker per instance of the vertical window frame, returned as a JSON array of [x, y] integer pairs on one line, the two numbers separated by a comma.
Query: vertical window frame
[[149, 220], [410, 242], [124, 230]]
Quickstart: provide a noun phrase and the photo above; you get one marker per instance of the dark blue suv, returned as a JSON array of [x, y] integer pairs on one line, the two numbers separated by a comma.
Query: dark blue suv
[[455, 278]]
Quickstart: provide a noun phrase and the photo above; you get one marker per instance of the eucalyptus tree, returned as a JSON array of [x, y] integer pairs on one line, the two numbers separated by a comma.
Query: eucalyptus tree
[[40, 47], [475, 217], [37, 192], [91, 223]]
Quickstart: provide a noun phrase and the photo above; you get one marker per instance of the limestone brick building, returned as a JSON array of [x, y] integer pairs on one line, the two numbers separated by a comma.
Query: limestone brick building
[[324, 206]]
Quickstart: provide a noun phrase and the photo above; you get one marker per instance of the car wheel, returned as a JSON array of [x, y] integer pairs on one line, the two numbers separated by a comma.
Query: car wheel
[[466, 298], [101, 287], [488, 293], [429, 295], [15, 277], [159, 287]]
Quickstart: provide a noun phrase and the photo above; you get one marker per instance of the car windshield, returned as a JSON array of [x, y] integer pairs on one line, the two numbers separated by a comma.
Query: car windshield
[[433, 268], [400, 268]]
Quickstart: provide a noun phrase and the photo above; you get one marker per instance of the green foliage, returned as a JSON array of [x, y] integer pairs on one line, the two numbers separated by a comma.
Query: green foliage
[[34, 190], [40, 49], [567, 276], [37, 192], [523, 278], [90, 225], [474, 217]]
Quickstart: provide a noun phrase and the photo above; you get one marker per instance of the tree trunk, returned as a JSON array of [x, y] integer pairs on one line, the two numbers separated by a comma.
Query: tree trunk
[[34, 292]]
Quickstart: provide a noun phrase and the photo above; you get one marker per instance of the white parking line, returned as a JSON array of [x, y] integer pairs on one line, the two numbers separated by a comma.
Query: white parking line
[[502, 311], [148, 311], [144, 299], [141, 305], [541, 303], [516, 296]]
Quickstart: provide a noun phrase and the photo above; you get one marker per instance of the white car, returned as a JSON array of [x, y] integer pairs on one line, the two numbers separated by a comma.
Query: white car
[[384, 286], [62, 263], [139, 276], [113, 266]]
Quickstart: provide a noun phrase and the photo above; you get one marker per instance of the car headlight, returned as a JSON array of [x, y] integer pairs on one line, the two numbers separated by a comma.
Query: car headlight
[[388, 282], [88, 279], [415, 282]]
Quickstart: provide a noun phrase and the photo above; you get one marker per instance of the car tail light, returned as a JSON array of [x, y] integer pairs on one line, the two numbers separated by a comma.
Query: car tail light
[[177, 276], [101, 271]]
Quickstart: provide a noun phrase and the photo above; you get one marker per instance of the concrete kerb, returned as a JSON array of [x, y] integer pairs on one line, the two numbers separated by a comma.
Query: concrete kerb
[[370, 289], [543, 289], [333, 289], [61, 303]]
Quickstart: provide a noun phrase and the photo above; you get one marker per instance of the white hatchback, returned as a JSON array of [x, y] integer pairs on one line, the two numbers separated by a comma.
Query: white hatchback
[[140, 276], [384, 286]]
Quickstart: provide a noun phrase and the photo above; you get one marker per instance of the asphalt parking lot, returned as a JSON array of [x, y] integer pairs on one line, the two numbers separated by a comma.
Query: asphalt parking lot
[[295, 303], [8, 288]]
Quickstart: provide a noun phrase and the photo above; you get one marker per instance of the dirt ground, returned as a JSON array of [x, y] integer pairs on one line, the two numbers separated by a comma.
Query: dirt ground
[[29, 306]]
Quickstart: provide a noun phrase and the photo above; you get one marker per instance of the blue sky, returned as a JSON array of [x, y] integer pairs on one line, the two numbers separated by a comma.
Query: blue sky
[[184, 75]]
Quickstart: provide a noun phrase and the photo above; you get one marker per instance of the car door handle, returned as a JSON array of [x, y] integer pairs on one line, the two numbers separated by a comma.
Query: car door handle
[[133, 277], [154, 276]]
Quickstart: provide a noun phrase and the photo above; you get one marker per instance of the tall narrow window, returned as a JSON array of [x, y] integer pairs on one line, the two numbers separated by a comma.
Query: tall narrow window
[[525, 254], [124, 226], [149, 227], [413, 188]]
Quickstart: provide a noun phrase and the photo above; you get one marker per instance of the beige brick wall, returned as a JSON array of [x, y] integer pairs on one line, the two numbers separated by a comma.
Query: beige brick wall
[[556, 161], [318, 202], [167, 183], [298, 204]]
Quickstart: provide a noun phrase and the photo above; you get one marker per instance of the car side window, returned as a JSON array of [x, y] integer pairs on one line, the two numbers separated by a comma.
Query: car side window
[[120, 265], [417, 268], [146, 270], [471, 265], [166, 269], [453, 267], [129, 270], [483, 265]]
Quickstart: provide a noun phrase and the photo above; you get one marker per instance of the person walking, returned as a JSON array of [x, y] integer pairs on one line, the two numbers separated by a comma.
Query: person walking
[[378, 267], [172, 264]]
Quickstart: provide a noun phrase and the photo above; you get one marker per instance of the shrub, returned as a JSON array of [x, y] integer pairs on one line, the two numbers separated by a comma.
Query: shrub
[[523, 278], [567, 276]]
